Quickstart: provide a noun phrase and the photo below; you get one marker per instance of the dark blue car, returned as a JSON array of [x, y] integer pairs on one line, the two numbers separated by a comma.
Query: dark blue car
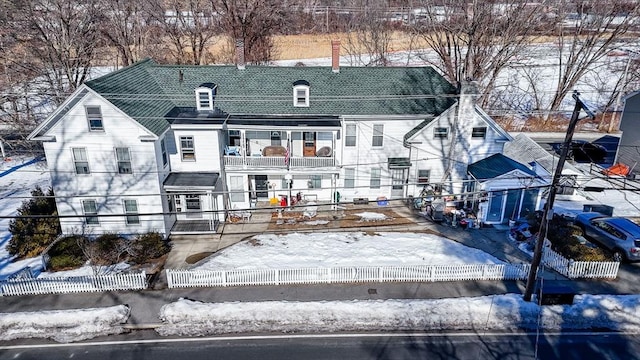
[[619, 235]]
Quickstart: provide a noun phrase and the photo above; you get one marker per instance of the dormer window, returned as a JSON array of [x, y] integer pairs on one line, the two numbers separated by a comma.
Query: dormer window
[[205, 94], [301, 93]]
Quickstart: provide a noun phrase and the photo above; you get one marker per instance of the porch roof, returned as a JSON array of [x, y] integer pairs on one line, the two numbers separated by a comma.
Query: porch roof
[[191, 181], [496, 165]]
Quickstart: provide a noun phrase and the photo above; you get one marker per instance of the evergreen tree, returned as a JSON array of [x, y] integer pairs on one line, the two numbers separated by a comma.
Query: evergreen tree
[[30, 236]]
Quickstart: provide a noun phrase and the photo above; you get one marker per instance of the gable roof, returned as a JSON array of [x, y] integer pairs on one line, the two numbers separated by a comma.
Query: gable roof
[[496, 165], [524, 150], [147, 92]]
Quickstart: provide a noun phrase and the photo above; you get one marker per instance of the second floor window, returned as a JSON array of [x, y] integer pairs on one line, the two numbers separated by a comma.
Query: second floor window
[[479, 132], [440, 133], [124, 161], [350, 135], [163, 149], [187, 148], [94, 117], [80, 160], [378, 134]]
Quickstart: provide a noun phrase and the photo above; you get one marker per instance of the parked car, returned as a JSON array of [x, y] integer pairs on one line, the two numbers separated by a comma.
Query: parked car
[[618, 234]]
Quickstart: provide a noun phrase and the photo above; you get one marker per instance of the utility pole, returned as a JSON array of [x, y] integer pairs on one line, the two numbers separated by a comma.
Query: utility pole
[[548, 207]]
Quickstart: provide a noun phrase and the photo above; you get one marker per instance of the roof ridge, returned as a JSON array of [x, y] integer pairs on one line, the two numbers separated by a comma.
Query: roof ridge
[[145, 62]]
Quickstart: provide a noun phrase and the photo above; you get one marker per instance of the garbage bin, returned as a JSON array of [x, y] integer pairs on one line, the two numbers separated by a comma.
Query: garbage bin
[[283, 201]]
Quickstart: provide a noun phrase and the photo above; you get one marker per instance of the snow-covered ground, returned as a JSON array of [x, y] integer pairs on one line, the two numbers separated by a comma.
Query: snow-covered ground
[[15, 188], [498, 312], [305, 250]]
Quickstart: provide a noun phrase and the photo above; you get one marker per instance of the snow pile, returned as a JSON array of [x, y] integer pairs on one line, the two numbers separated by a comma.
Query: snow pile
[[87, 270], [499, 312], [371, 216], [308, 250], [316, 222], [64, 325]]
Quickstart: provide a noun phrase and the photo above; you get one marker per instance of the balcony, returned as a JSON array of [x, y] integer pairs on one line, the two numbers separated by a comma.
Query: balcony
[[255, 162]]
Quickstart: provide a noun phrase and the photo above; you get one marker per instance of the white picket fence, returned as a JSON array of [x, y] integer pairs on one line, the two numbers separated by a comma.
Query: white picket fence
[[352, 274], [580, 269], [73, 284]]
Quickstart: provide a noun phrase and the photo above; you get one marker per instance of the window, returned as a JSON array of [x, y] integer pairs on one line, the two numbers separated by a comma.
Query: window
[[374, 182], [187, 149], [124, 161], [131, 209], [204, 99], [440, 133], [90, 210], [423, 176], [479, 132], [301, 96], [80, 160], [315, 181], [350, 135], [236, 189], [349, 178], [163, 149], [378, 131], [94, 116]]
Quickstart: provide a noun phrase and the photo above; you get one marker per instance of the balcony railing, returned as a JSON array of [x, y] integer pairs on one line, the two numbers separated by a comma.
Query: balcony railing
[[277, 162]]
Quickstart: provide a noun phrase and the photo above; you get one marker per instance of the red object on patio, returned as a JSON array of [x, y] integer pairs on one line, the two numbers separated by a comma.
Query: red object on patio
[[617, 170]]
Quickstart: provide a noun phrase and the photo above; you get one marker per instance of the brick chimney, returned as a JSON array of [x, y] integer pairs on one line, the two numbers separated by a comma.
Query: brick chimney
[[240, 54], [335, 56]]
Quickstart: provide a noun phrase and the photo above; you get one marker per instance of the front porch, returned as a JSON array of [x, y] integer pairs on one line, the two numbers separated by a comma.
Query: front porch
[[184, 227]]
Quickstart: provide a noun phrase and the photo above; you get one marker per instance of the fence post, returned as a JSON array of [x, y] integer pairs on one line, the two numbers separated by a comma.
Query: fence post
[[277, 276], [380, 271]]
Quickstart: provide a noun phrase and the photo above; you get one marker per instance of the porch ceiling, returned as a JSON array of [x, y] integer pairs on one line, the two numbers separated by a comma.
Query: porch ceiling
[[191, 181]]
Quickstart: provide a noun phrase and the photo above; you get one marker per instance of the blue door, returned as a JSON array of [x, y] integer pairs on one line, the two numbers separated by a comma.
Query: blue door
[[495, 207]]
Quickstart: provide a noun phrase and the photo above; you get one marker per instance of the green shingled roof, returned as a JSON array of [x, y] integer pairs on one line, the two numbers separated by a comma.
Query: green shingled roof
[[496, 165], [147, 91]]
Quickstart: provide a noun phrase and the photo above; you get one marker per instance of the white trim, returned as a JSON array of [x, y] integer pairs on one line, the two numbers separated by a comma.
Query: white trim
[[209, 92], [296, 103]]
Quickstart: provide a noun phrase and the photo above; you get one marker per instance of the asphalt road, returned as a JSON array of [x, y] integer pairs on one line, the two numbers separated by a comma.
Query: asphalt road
[[564, 346]]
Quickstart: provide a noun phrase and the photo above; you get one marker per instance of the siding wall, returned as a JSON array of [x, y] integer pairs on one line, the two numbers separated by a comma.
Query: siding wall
[[104, 184]]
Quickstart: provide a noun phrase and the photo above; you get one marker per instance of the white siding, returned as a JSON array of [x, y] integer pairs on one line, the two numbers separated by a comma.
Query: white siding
[[104, 183], [207, 151]]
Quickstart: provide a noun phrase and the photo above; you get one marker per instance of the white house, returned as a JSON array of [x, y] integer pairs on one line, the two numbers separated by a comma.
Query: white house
[[172, 148]]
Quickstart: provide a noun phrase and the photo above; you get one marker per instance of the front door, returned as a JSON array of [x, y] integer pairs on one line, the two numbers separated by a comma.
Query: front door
[[309, 147], [398, 177], [495, 207], [262, 186]]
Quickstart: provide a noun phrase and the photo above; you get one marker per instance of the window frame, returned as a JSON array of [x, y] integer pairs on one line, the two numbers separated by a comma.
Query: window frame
[[90, 217], [378, 134], [439, 134], [163, 152], [94, 117], [315, 181], [187, 150], [375, 179], [349, 178], [199, 100], [480, 129], [348, 137], [131, 217], [81, 161], [297, 98], [119, 161], [420, 179]]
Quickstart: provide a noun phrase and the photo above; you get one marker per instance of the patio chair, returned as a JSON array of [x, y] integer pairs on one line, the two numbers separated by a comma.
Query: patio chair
[[232, 150]]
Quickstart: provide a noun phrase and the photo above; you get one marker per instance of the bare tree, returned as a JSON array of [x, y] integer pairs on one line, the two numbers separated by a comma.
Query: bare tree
[[369, 33], [588, 31], [477, 39], [60, 38], [126, 25], [254, 22], [190, 26]]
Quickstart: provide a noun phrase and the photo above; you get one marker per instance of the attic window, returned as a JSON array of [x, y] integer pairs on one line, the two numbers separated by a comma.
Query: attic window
[[204, 96], [301, 93]]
